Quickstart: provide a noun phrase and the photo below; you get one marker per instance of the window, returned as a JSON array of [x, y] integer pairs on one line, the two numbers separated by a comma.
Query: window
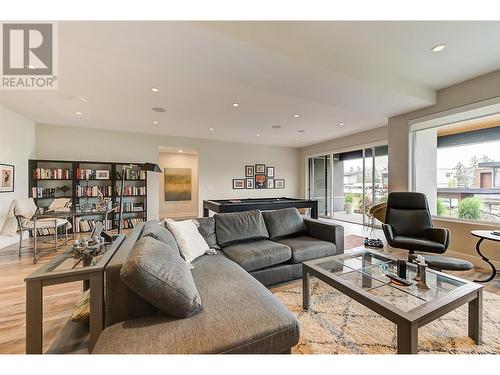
[[458, 167], [348, 184]]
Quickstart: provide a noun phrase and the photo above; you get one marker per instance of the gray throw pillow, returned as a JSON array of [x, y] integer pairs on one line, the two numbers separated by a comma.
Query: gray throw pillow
[[240, 226], [159, 232], [157, 273], [207, 230], [284, 222]]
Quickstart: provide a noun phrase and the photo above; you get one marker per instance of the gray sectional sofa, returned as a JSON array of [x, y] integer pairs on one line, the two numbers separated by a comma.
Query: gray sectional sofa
[[239, 314]]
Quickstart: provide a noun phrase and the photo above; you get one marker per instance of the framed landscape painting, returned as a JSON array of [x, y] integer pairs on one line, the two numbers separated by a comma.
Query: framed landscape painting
[[177, 184], [6, 178]]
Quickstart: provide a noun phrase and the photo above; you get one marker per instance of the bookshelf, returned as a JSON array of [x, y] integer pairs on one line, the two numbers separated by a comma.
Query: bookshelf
[[81, 182]]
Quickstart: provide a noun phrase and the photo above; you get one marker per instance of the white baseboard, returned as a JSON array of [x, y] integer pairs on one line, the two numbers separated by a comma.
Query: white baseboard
[[474, 259]]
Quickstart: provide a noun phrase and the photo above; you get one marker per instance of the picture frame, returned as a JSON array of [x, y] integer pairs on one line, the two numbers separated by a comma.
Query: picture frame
[[249, 171], [260, 181], [260, 168], [270, 183], [250, 183], [270, 172], [279, 183], [102, 174], [7, 175], [238, 183]]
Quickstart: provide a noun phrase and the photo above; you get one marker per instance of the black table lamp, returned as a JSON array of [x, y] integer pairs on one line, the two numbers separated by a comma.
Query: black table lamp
[[151, 167]]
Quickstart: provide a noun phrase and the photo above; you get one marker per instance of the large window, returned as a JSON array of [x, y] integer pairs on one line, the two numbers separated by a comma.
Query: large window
[[458, 166], [348, 184]]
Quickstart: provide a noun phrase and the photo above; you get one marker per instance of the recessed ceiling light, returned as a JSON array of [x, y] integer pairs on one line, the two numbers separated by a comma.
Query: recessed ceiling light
[[211, 129], [259, 134], [438, 48], [296, 139], [235, 104], [276, 126], [181, 151], [296, 115], [78, 113], [301, 131], [155, 122], [154, 89], [341, 124], [77, 99], [158, 109]]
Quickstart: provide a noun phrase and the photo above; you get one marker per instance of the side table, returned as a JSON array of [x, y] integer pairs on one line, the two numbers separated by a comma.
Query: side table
[[65, 269], [485, 235]]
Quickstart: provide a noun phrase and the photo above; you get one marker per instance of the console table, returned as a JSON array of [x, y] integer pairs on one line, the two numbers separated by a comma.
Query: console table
[[65, 269], [485, 235]]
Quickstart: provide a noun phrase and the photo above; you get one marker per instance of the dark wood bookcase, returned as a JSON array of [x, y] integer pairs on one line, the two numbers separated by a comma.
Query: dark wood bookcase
[[44, 190]]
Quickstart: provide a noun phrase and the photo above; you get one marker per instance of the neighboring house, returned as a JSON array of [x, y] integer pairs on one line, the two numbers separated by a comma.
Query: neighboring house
[[487, 175]]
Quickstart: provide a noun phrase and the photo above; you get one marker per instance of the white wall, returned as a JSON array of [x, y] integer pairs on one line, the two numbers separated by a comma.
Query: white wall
[[218, 163], [179, 209], [425, 166], [17, 145]]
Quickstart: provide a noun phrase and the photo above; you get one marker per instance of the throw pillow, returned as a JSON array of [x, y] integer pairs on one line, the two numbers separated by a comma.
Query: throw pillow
[[159, 232], [191, 243], [240, 226], [157, 273], [284, 222], [10, 225], [206, 227]]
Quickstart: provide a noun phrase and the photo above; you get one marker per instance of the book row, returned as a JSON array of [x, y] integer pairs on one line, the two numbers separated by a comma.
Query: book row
[[52, 174], [93, 191]]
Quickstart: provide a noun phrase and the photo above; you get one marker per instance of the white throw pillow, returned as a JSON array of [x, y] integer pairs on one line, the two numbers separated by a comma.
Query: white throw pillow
[[191, 243], [10, 225]]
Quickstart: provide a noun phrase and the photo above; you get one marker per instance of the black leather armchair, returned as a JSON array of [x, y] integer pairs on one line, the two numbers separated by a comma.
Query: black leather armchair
[[408, 225]]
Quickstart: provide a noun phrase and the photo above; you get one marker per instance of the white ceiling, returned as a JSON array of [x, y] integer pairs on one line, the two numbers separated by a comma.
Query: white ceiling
[[358, 73]]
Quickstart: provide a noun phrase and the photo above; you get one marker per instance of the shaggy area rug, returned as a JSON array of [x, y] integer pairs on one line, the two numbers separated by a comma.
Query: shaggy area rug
[[336, 324]]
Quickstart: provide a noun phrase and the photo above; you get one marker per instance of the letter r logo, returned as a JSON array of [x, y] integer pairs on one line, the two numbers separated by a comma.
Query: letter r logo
[[27, 49]]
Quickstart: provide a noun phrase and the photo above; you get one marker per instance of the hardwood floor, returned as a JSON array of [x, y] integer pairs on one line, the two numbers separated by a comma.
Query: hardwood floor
[[60, 299]]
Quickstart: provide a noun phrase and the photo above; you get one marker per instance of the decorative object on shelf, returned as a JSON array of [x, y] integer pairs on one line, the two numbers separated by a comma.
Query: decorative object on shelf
[[270, 172], [102, 174], [260, 168], [270, 183], [238, 183], [64, 189], [250, 183], [7, 173], [249, 171], [177, 184], [279, 183], [260, 181]]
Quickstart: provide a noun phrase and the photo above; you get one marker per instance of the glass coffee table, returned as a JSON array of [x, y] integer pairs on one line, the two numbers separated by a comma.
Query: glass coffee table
[[361, 276]]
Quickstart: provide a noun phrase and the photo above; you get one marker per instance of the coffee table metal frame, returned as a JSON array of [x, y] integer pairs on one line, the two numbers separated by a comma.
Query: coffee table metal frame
[[407, 322]]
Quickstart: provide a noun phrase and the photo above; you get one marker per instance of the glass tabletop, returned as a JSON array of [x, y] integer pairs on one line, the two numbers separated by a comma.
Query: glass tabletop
[[367, 271]]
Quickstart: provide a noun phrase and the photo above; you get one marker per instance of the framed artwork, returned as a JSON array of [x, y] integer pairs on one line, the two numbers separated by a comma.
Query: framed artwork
[[250, 183], [279, 183], [177, 184], [238, 183], [260, 168], [249, 171], [102, 175], [260, 181], [270, 183], [270, 172], [7, 173]]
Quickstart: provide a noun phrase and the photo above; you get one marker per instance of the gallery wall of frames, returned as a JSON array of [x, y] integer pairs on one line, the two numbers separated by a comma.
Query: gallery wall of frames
[[259, 176]]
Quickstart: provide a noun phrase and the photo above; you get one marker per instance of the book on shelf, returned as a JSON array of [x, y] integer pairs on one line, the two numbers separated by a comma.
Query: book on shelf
[[132, 190], [83, 225], [129, 223], [133, 206], [131, 174], [41, 192], [92, 174], [93, 191], [52, 174]]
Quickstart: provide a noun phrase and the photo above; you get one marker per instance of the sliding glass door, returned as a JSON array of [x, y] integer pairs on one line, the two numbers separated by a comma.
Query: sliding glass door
[[348, 184]]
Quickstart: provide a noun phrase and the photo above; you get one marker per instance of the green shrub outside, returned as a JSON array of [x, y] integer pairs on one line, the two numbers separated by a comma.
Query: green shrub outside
[[469, 208]]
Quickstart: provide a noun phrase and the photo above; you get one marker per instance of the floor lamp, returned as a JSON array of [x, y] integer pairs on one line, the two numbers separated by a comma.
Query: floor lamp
[[148, 167]]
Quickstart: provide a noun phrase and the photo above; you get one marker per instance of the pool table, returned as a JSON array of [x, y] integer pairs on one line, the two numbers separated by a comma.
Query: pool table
[[237, 205]]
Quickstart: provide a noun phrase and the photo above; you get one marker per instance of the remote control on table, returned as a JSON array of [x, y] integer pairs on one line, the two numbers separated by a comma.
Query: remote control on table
[[398, 279]]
